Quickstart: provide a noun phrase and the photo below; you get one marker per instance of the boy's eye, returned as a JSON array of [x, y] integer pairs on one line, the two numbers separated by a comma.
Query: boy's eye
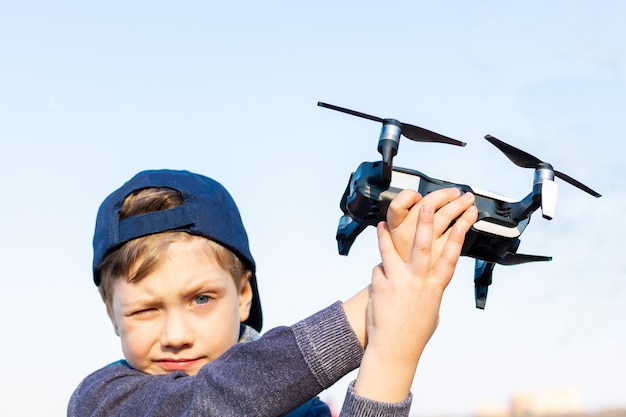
[[202, 299], [142, 312]]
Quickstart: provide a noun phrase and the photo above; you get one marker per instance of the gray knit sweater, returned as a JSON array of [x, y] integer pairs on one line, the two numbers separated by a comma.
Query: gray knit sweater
[[269, 377]]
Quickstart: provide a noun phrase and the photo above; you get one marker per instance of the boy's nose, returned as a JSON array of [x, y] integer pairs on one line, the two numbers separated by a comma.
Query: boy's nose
[[177, 333]]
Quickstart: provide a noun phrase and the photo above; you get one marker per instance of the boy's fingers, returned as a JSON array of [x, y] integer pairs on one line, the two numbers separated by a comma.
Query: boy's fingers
[[422, 247], [441, 197], [445, 265], [406, 204], [452, 210], [403, 215], [386, 247], [400, 207], [468, 218]]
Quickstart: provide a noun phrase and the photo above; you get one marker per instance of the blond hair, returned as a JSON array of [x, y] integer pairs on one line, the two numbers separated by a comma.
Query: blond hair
[[137, 258]]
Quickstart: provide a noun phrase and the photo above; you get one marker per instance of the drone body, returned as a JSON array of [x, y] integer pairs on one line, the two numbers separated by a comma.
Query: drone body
[[494, 237]]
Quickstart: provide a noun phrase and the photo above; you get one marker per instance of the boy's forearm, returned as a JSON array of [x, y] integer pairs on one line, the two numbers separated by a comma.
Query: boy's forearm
[[355, 309], [383, 377], [380, 378]]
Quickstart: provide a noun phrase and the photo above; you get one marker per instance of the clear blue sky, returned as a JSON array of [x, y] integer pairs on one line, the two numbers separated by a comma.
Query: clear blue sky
[[91, 93]]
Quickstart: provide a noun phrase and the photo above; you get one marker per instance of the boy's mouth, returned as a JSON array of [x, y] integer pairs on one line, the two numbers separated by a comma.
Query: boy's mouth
[[170, 364]]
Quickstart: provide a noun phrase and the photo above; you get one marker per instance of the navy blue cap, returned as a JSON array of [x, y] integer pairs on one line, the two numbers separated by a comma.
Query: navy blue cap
[[208, 210]]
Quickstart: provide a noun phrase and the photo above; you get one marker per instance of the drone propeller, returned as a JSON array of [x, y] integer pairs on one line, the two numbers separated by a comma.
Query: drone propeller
[[519, 258], [409, 131], [526, 160]]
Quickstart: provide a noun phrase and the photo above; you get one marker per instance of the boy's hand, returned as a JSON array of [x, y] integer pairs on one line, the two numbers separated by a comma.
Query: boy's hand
[[416, 272], [419, 253]]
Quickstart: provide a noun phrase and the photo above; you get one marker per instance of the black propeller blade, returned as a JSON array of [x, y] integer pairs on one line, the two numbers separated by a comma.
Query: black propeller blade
[[519, 258], [412, 132], [526, 160]]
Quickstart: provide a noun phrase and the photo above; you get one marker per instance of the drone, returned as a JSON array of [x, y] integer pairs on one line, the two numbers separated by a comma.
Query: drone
[[495, 236]]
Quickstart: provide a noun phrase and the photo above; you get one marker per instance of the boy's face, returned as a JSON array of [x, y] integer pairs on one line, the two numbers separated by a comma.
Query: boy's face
[[181, 316]]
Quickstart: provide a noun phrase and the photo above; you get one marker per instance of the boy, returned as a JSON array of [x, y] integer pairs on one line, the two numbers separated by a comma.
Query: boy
[[173, 266]]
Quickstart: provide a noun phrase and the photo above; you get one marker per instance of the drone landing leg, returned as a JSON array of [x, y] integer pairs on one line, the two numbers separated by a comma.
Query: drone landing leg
[[483, 272], [347, 232]]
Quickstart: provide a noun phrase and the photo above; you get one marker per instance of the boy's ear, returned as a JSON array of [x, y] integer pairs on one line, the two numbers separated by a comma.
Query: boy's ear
[[111, 316], [245, 298]]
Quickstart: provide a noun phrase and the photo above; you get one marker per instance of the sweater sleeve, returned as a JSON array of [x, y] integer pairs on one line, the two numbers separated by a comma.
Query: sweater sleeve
[[268, 377], [354, 405]]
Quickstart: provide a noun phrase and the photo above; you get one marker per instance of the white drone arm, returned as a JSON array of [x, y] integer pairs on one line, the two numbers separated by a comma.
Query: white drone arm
[[549, 191]]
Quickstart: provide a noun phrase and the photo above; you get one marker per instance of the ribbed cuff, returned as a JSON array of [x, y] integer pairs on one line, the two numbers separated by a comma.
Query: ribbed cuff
[[355, 405], [329, 345]]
